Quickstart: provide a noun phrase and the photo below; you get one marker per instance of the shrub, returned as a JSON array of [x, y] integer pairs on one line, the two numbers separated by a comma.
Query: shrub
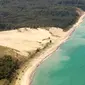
[[7, 66]]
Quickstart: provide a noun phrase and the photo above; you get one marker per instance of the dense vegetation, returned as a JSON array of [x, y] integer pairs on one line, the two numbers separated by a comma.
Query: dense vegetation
[[7, 66], [35, 13], [75, 3]]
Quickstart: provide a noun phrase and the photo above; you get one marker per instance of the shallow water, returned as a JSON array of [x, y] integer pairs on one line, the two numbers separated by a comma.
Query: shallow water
[[66, 66]]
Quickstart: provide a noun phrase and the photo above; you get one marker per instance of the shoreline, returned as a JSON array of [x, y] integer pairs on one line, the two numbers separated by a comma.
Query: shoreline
[[65, 39], [30, 72]]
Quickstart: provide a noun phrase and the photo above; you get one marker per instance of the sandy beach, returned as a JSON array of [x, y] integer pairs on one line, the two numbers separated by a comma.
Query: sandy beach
[[28, 74]]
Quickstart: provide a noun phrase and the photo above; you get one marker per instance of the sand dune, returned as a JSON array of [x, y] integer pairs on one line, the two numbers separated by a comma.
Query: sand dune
[[26, 39]]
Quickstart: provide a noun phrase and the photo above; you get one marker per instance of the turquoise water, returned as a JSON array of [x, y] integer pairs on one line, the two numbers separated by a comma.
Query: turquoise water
[[66, 66]]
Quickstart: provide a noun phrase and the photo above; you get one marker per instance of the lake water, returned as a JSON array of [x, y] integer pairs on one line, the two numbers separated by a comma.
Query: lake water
[[66, 66]]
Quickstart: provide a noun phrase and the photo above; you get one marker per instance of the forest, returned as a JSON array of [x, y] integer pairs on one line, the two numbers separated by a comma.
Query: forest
[[36, 13]]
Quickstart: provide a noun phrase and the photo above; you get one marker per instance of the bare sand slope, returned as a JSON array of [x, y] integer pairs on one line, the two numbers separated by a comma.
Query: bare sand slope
[[27, 40]]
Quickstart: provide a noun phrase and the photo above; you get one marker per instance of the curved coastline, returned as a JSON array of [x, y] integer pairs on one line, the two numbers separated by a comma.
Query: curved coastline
[[28, 77]]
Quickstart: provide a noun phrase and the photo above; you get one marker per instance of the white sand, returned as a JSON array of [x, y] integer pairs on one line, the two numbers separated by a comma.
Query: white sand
[[23, 41]]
